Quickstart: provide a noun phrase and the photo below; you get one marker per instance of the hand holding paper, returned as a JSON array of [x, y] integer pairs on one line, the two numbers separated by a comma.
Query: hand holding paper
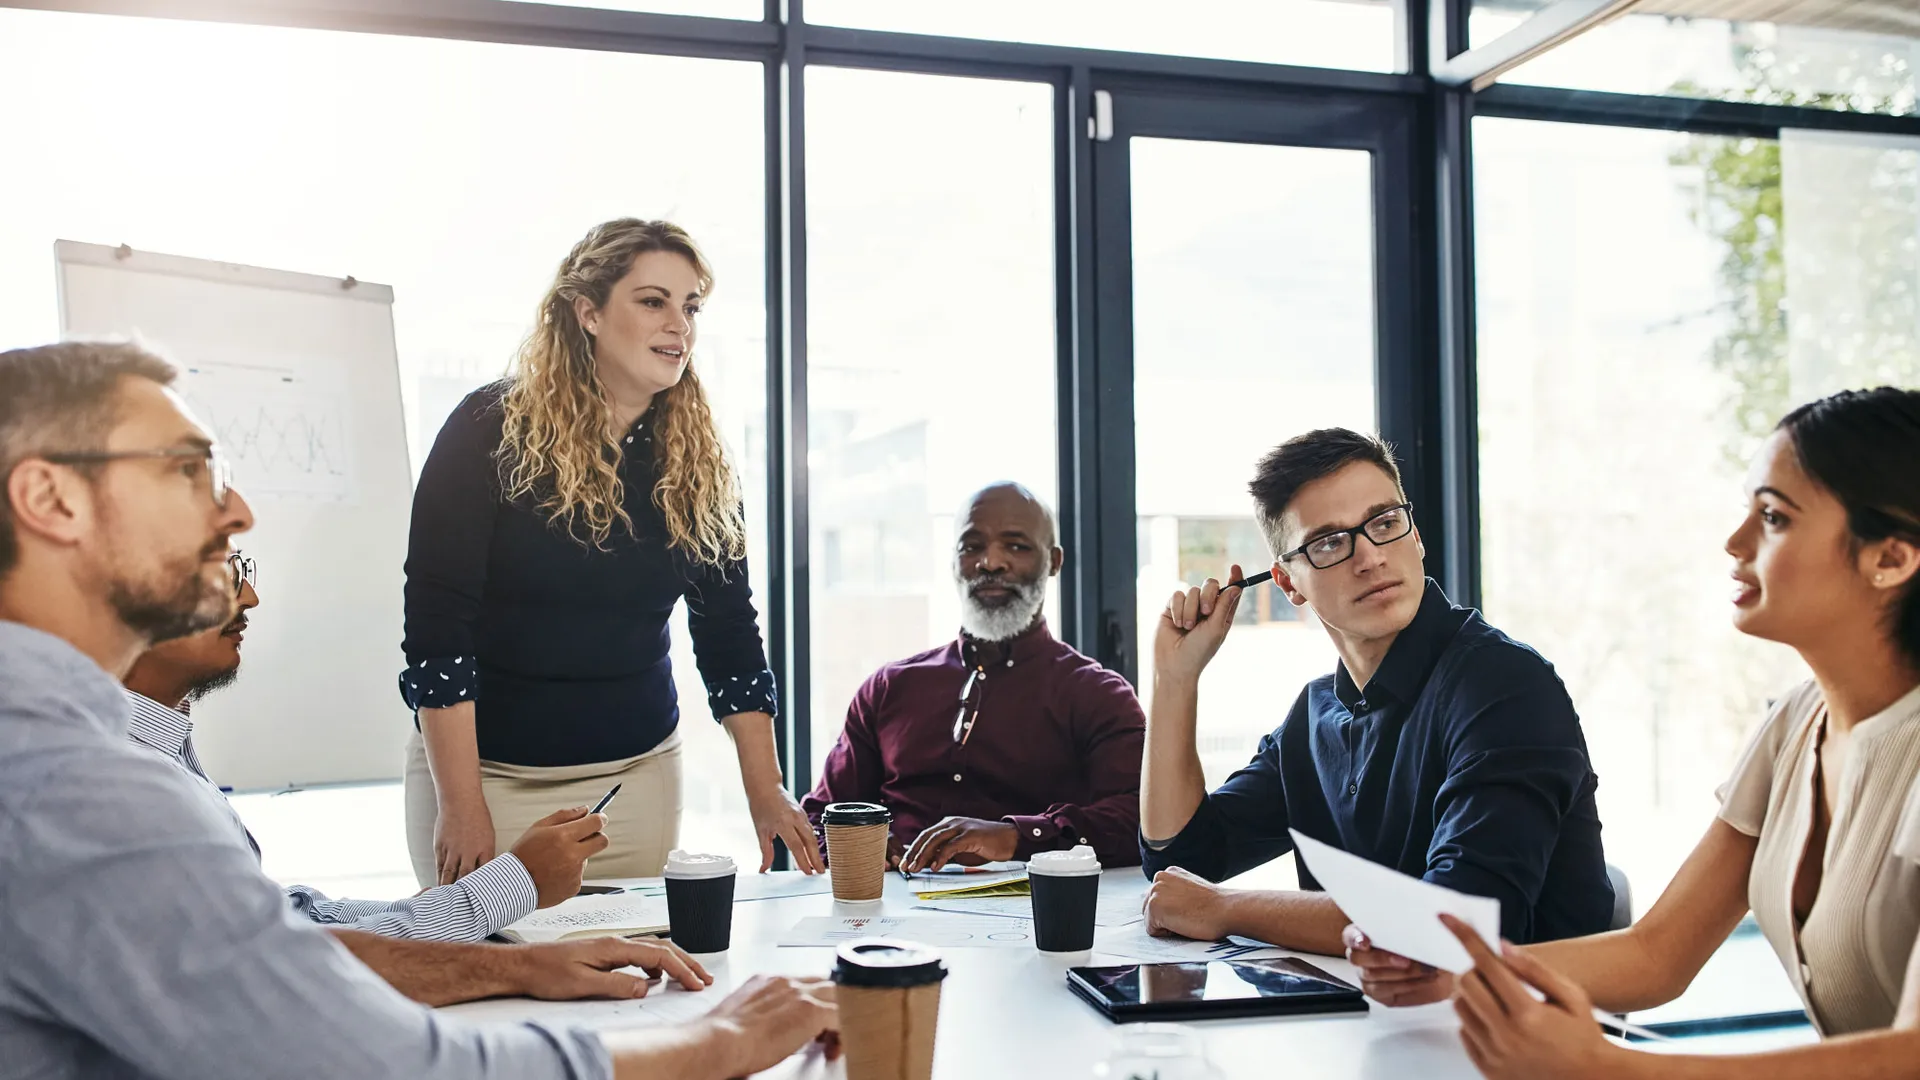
[[1401, 914], [1398, 913]]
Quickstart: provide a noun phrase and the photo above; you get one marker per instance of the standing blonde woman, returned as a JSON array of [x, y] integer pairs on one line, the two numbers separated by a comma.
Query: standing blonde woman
[[562, 514]]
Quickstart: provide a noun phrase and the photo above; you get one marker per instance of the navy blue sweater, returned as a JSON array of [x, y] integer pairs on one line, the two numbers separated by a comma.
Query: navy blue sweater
[[561, 646], [1462, 763]]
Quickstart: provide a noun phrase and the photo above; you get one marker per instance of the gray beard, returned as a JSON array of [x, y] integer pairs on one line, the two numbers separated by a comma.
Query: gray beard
[[984, 623]]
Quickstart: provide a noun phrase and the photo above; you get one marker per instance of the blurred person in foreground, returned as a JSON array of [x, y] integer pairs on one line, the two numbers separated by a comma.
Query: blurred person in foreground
[[141, 939], [442, 962]]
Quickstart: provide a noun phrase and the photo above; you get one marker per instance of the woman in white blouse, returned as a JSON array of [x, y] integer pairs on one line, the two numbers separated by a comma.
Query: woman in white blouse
[[1819, 826]]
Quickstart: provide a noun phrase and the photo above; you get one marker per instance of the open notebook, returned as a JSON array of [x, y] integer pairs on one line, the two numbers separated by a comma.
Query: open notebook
[[623, 914]]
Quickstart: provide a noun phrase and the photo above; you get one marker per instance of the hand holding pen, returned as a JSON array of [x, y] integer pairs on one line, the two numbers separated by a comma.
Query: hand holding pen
[[555, 849], [1195, 623]]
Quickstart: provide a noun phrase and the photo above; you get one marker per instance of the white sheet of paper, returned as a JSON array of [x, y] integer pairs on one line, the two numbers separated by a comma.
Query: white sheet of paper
[[1110, 911], [1400, 914], [1134, 943], [935, 928], [666, 1003], [938, 883], [778, 885]]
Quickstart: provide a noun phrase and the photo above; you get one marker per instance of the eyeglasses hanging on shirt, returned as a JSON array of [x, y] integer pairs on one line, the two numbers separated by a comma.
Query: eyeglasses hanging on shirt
[[972, 690]]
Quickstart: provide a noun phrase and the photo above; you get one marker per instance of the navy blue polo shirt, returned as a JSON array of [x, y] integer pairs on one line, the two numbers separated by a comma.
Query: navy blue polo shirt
[[1461, 762]]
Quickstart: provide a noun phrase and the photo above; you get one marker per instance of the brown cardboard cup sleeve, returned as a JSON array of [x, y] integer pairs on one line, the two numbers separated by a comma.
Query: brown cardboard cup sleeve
[[889, 1000]]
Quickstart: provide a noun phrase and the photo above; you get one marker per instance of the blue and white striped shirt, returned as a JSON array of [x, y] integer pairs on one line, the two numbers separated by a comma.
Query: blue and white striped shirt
[[496, 895], [141, 941]]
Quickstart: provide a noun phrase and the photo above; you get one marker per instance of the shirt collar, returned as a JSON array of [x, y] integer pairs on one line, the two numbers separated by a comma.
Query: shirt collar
[[1892, 717], [67, 682], [157, 726], [1023, 646], [1411, 657]]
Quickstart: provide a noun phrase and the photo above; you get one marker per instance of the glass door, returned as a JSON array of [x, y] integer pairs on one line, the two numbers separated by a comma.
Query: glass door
[[1249, 255]]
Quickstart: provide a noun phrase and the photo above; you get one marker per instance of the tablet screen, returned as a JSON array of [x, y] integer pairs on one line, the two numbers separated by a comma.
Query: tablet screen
[[1218, 980]]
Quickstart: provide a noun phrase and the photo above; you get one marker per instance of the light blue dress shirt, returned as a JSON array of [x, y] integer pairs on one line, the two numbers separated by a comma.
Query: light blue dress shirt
[[479, 905], [139, 940]]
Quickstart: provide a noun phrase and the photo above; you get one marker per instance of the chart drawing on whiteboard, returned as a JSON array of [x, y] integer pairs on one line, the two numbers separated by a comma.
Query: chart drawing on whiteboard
[[287, 436]]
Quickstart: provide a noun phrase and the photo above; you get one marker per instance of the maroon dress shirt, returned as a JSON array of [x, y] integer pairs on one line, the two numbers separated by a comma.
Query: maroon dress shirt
[[1054, 750]]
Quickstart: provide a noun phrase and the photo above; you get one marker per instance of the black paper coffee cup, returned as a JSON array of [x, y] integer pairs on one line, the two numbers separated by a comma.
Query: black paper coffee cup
[[1066, 892], [700, 901]]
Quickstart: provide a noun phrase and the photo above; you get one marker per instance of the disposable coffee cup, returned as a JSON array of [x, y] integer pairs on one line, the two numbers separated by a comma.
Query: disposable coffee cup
[[699, 901], [888, 993], [1066, 889], [856, 848]]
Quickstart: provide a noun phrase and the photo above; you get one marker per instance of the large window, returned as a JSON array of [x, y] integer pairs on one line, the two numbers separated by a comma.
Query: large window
[[459, 173], [1850, 60], [1317, 33], [712, 9], [1238, 345], [1650, 304], [930, 348]]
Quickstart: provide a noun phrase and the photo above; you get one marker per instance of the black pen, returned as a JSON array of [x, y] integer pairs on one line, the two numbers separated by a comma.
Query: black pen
[[1262, 576], [605, 799]]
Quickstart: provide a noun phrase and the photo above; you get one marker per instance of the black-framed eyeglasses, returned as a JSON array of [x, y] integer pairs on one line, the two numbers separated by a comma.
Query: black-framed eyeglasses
[[970, 694], [219, 472], [245, 571], [1331, 549]]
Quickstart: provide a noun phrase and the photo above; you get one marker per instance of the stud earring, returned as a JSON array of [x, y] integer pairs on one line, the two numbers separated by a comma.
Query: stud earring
[[1879, 579]]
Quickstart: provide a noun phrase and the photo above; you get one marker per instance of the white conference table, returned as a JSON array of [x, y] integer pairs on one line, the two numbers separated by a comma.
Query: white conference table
[[1008, 1012]]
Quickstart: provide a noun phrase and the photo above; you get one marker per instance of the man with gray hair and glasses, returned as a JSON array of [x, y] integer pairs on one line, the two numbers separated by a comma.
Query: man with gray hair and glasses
[[141, 939]]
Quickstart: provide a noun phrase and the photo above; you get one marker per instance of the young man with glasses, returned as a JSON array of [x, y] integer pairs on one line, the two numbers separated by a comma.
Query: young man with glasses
[[1004, 741], [1439, 746], [140, 937]]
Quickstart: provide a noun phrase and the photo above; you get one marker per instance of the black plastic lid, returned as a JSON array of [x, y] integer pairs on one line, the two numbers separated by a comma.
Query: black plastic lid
[[855, 813], [887, 963]]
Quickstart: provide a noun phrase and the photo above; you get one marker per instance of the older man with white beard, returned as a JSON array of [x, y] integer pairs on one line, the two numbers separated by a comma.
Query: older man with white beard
[[1004, 741]]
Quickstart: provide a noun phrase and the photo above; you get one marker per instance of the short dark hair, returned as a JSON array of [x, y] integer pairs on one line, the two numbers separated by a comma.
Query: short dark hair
[[1864, 447], [1305, 458], [62, 397]]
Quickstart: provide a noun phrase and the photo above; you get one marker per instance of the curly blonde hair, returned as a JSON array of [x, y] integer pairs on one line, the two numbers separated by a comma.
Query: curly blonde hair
[[559, 444]]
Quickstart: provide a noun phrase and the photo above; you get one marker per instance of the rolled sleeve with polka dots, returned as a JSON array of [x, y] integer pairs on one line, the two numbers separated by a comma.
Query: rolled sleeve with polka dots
[[440, 682], [727, 644]]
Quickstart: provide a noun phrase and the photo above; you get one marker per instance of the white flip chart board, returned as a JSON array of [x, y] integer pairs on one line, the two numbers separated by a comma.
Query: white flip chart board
[[298, 379]]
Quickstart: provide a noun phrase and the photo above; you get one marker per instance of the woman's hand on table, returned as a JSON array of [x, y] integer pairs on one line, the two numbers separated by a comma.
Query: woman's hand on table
[[1508, 1033], [462, 837], [777, 815], [1392, 979]]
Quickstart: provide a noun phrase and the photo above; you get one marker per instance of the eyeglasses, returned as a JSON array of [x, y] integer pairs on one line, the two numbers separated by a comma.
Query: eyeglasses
[[245, 571], [969, 705], [1331, 549], [219, 472]]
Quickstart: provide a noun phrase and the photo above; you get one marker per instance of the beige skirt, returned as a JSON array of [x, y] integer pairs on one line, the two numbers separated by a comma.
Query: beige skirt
[[643, 821]]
